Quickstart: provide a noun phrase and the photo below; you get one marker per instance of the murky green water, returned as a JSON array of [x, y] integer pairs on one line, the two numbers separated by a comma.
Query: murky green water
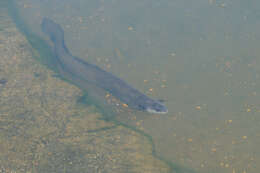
[[201, 57]]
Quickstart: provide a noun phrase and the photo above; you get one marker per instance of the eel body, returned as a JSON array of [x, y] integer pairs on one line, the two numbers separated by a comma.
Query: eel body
[[97, 76]]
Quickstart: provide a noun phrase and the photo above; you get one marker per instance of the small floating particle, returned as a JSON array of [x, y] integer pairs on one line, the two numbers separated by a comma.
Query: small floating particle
[[145, 81], [213, 149], [108, 65], [107, 95], [198, 107], [211, 1], [98, 59], [27, 6], [221, 164], [156, 72], [124, 105], [248, 110], [228, 64], [163, 80], [118, 53], [172, 54], [80, 19], [130, 28], [244, 137], [151, 89], [223, 5], [189, 140], [229, 121], [84, 28], [163, 86], [227, 165]]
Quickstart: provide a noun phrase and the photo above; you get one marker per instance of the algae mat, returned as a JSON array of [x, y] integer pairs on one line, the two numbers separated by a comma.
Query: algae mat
[[44, 130]]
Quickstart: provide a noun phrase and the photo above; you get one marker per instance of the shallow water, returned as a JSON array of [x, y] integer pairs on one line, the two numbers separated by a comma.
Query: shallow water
[[200, 57]]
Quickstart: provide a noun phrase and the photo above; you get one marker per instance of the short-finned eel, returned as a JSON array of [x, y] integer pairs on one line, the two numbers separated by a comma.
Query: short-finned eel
[[96, 76]]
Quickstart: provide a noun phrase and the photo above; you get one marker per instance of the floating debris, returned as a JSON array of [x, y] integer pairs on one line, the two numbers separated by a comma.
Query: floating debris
[[130, 28], [124, 105], [172, 54], [108, 66], [222, 5], [244, 137], [189, 140], [118, 54], [198, 107], [213, 149], [163, 86]]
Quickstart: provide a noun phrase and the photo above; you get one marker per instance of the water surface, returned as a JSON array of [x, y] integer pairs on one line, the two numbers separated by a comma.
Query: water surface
[[201, 57]]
